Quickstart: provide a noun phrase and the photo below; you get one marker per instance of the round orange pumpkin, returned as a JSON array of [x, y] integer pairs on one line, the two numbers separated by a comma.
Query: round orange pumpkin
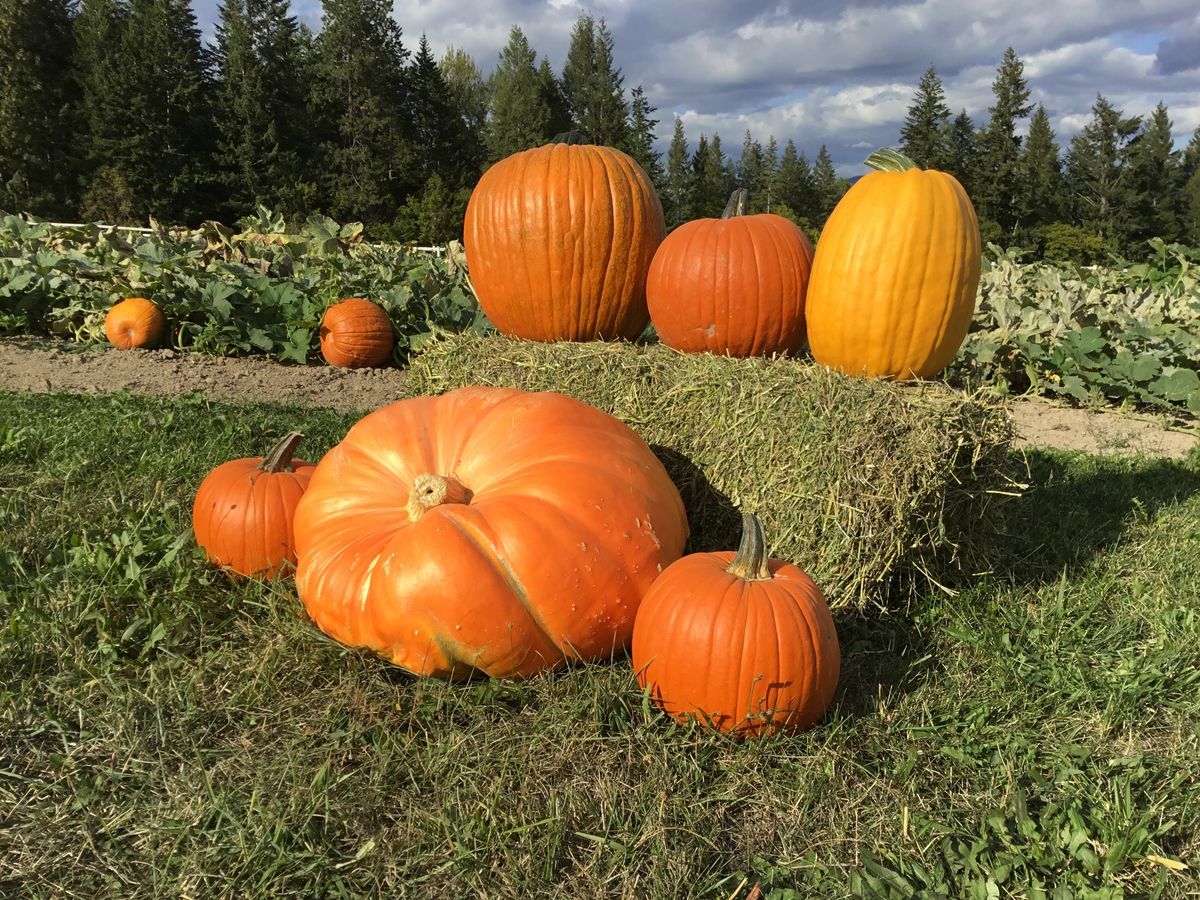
[[744, 644], [135, 323], [734, 285], [559, 239], [356, 334], [486, 530], [895, 273], [243, 512]]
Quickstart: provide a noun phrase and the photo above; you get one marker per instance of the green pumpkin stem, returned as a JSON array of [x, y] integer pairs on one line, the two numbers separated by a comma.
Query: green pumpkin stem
[[738, 201], [889, 159], [280, 457], [750, 562], [569, 137]]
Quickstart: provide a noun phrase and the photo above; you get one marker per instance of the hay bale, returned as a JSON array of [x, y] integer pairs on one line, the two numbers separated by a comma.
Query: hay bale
[[867, 485]]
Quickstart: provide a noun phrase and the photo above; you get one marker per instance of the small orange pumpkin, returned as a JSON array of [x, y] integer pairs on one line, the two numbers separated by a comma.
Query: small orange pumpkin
[[895, 273], [243, 512], [356, 334], [559, 239], [486, 530], [734, 285], [135, 323], [744, 644]]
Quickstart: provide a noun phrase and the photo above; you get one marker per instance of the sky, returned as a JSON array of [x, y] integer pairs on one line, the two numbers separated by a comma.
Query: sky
[[842, 73]]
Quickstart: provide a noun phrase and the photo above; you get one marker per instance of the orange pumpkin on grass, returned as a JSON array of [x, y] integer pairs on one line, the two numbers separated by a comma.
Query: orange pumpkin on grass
[[486, 530]]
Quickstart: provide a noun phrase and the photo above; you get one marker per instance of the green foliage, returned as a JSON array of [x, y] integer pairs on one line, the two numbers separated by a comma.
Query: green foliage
[[259, 290], [592, 84], [997, 179], [923, 136], [1125, 334], [520, 116]]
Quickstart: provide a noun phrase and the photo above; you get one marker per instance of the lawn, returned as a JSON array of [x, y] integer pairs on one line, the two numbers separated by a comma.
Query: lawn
[[167, 732]]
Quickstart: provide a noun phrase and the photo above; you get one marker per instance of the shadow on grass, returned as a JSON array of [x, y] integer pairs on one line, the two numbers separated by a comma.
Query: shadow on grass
[[882, 654], [714, 522], [1079, 506]]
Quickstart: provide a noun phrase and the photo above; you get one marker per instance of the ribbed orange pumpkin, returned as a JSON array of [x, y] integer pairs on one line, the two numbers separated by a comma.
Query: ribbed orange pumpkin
[[242, 515], [135, 322], [486, 530], [895, 273], [734, 285], [559, 239], [356, 334], [744, 644]]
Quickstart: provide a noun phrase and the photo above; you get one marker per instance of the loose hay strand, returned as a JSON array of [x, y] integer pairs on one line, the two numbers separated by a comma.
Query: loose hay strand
[[875, 488]]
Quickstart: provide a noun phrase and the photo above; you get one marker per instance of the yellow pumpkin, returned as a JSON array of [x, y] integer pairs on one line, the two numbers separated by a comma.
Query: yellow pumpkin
[[894, 277]]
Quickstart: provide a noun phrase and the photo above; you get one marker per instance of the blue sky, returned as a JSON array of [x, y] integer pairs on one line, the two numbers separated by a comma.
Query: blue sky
[[840, 73]]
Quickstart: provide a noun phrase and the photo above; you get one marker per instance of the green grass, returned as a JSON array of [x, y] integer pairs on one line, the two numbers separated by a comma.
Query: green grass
[[164, 731]]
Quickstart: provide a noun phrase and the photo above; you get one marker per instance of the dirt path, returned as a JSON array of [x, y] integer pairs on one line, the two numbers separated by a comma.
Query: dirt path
[[25, 365]]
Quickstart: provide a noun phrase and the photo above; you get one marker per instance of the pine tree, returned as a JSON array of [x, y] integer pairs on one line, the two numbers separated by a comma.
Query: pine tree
[[441, 142], [795, 189], [1041, 178], [748, 173], [770, 170], [107, 194], [593, 85], [960, 152], [640, 137], [1155, 176], [1098, 174], [38, 162], [713, 185], [676, 192], [556, 101], [1190, 198], [260, 109], [468, 90], [923, 137], [829, 187], [520, 117], [998, 189], [360, 90]]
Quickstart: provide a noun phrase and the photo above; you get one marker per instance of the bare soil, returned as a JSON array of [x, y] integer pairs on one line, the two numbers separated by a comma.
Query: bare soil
[[27, 365]]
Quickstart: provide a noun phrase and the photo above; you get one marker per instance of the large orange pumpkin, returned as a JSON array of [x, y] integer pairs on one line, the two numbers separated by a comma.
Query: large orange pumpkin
[[559, 239], [485, 530], [242, 515], [135, 322], [356, 334], [744, 644], [894, 277], [734, 285]]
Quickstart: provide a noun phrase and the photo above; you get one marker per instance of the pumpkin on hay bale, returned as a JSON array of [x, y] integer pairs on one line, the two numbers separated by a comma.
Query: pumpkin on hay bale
[[871, 486]]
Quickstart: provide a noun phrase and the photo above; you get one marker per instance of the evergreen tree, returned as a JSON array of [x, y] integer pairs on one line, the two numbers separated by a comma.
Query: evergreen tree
[[795, 188], [1190, 199], [556, 101], [442, 143], [640, 137], [829, 187], [520, 116], [360, 91], [998, 188], [151, 134], [1154, 173], [770, 170], [1041, 177], [960, 152], [260, 109], [676, 192], [468, 90], [593, 85], [1097, 173], [37, 154], [748, 174], [924, 135], [712, 185]]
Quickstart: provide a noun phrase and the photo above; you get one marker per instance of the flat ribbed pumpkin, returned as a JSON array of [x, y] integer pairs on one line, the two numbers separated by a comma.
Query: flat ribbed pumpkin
[[742, 643], [734, 285], [559, 239], [486, 530], [894, 276], [356, 334], [135, 323]]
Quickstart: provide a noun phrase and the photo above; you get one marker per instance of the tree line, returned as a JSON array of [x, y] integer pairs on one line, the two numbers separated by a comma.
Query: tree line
[[117, 110]]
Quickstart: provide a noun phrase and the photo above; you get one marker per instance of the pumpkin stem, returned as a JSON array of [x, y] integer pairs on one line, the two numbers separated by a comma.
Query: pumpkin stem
[[888, 159], [738, 201], [431, 490], [569, 137], [750, 562], [280, 457]]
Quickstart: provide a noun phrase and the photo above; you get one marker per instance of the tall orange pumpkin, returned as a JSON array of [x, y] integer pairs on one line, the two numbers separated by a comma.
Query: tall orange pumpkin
[[894, 277], [356, 334], [734, 285], [242, 515], [486, 530], [744, 644], [135, 322], [559, 239]]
